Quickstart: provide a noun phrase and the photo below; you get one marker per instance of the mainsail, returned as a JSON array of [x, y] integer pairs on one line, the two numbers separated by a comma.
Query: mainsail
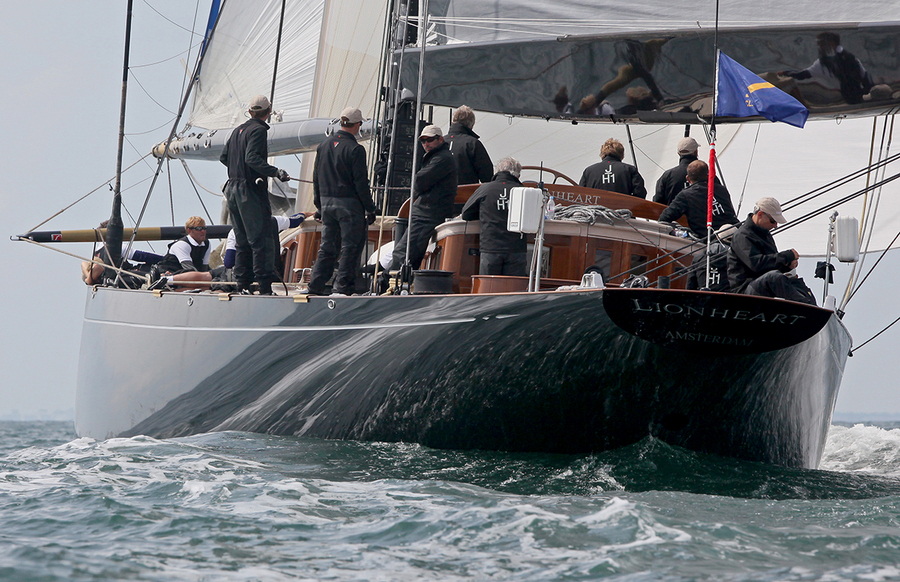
[[654, 62]]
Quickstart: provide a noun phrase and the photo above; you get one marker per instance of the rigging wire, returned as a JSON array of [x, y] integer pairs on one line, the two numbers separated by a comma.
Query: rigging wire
[[65, 208], [208, 215], [747, 175], [154, 130], [384, 73], [118, 270], [850, 293], [171, 192], [870, 204], [887, 327], [194, 180], [164, 17], [147, 93]]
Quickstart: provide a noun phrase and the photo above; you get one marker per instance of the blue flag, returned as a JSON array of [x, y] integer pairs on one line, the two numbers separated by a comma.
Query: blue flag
[[743, 94]]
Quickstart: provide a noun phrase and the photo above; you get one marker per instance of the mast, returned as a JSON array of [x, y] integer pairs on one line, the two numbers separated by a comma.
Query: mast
[[406, 269], [114, 229]]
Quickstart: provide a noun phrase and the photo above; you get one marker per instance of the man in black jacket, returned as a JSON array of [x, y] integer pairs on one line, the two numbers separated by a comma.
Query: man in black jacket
[[344, 203], [674, 180], [501, 252], [433, 202], [247, 195], [755, 267], [473, 164], [692, 202], [612, 174]]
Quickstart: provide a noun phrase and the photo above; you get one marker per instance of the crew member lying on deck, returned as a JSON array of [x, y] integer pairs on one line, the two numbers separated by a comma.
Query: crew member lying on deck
[[137, 262], [92, 273], [187, 259]]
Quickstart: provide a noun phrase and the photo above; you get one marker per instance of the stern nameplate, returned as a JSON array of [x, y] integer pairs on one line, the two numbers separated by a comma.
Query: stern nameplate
[[717, 323]]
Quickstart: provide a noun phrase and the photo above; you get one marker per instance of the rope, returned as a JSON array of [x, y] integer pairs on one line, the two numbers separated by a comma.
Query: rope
[[195, 181], [34, 228], [853, 351], [591, 214], [90, 260]]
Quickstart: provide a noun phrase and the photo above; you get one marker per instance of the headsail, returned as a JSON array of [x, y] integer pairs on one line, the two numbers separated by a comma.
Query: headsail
[[321, 43], [241, 56]]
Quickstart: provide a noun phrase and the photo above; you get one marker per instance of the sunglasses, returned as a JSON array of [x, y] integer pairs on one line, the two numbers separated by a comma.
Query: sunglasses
[[198, 228], [426, 139]]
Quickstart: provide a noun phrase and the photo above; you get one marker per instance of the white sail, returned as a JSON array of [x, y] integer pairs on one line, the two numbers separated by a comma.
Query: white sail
[[347, 74], [240, 61]]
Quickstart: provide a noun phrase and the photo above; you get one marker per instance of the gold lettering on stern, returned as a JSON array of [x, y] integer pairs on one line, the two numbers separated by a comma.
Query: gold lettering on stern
[[707, 338], [639, 306], [574, 198]]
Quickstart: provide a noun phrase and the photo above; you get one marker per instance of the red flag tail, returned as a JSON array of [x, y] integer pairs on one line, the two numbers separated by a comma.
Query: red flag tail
[[710, 185]]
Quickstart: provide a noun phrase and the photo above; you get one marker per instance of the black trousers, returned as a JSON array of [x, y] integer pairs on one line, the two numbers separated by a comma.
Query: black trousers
[[418, 234], [254, 235], [344, 232], [503, 264], [776, 284]]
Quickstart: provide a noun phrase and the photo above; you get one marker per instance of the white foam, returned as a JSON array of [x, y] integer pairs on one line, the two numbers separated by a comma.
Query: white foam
[[864, 449]]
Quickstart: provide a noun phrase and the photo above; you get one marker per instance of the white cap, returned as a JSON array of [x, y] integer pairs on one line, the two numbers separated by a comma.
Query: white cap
[[431, 131]]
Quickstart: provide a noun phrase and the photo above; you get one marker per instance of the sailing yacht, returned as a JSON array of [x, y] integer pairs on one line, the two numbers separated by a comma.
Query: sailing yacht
[[558, 363]]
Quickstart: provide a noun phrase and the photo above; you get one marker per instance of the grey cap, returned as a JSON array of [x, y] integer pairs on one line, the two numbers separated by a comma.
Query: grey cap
[[771, 207], [259, 103], [353, 115], [687, 145]]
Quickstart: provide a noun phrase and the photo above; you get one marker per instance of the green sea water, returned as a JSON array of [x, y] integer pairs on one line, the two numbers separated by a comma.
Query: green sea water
[[240, 506]]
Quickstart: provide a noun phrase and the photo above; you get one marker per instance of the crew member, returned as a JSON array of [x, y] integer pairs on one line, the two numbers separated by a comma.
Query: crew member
[[612, 173], [693, 201], [755, 267], [247, 195], [344, 204], [501, 252], [281, 223], [473, 164], [186, 260], [435, 192], [674, 180]]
